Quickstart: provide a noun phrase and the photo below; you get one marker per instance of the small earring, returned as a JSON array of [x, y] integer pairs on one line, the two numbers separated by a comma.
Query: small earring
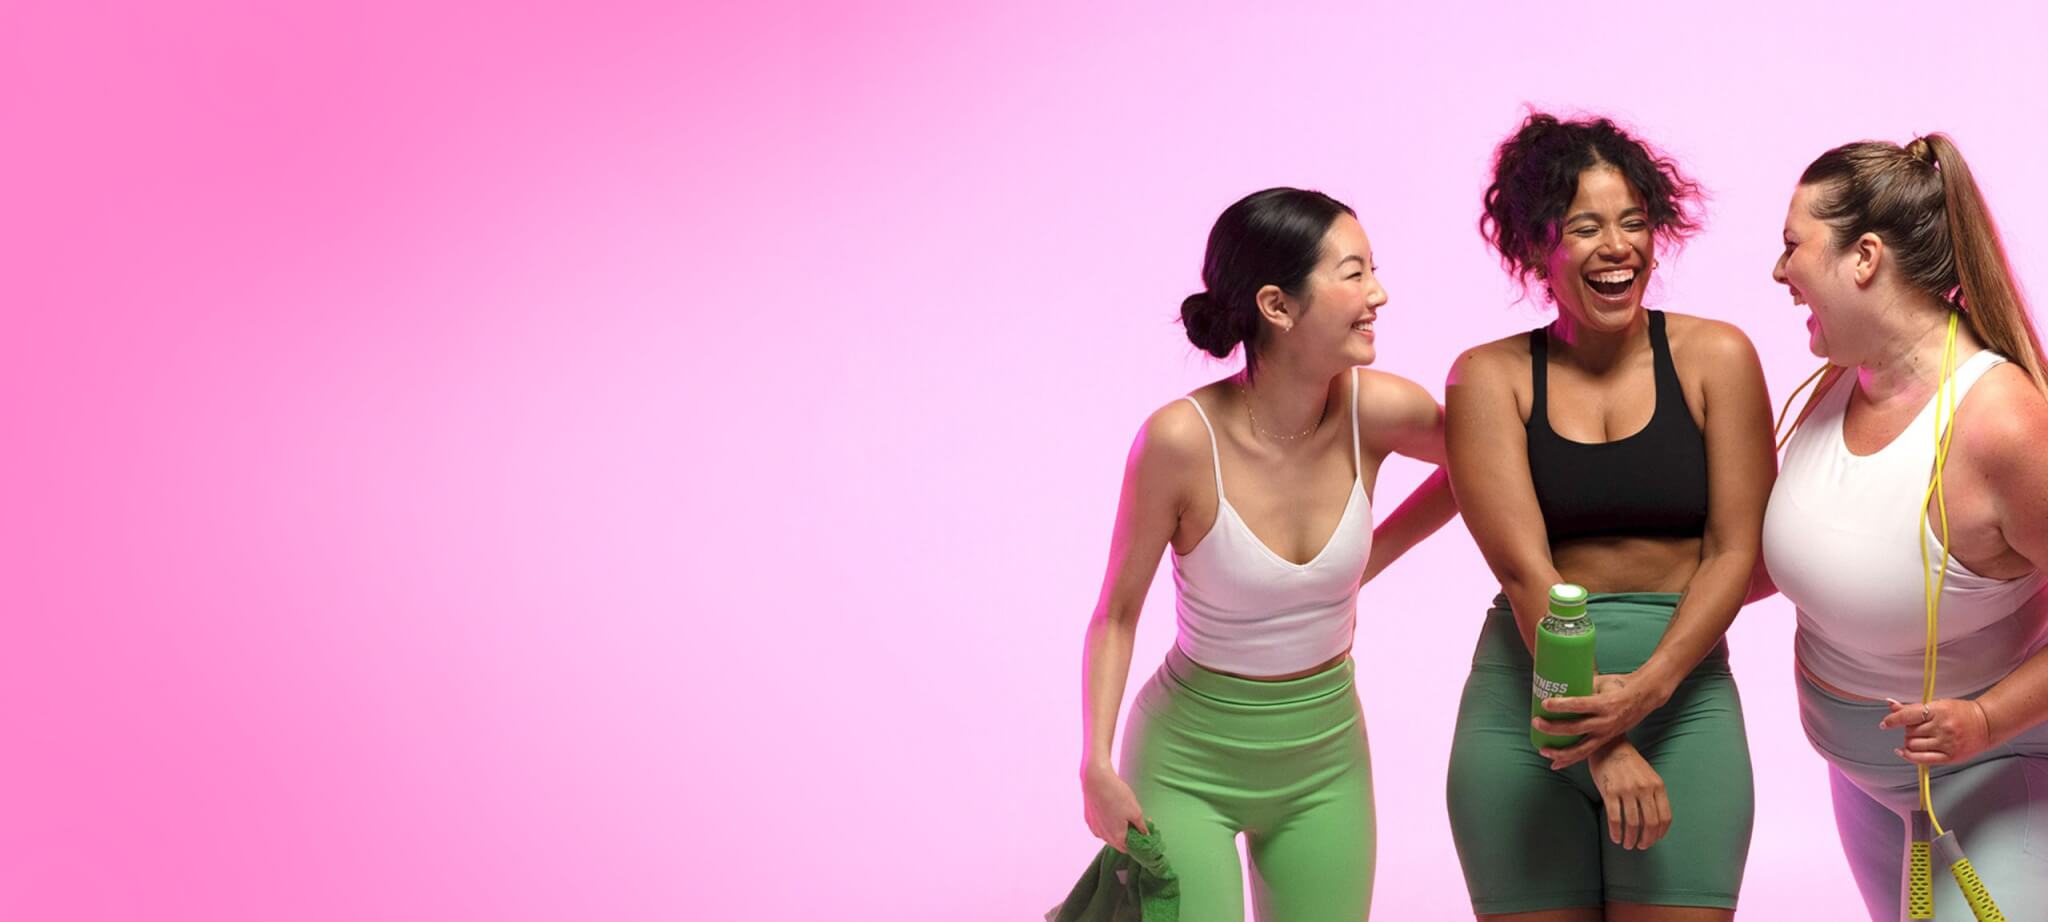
[[1654, 264]]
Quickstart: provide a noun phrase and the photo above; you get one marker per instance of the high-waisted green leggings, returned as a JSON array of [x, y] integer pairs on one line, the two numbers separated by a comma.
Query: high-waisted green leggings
[[1531, 838], [1285, 763]]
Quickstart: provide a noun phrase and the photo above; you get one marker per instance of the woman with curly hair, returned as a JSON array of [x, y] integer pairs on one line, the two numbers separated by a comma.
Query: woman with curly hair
[[1628, 451]]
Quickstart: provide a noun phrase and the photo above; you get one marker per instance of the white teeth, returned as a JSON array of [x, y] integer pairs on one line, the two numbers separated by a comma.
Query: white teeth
[[1614, 277]]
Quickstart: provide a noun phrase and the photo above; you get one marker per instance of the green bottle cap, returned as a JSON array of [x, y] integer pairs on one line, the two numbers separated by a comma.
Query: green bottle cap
[[1568, 600]]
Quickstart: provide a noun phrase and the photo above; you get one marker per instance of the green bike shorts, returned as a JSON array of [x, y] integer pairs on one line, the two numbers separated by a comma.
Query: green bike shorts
[[1530, 838]]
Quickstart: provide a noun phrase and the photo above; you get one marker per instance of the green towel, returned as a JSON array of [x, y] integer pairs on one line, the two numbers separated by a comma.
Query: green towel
[[1122, 887]]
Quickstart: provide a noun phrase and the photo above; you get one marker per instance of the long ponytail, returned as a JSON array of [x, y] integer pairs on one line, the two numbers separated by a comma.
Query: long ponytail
[[1990, 295], [1921, 200]]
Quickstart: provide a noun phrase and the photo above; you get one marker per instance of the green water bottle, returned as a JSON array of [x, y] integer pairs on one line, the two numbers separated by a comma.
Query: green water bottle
[[1564, 659]]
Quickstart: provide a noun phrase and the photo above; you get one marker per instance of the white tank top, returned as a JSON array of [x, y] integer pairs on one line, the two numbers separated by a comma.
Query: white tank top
[[1246, 610], [1842, 540]]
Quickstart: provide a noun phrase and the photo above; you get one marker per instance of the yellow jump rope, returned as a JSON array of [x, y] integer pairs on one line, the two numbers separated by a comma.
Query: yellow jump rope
[[1928, 837]]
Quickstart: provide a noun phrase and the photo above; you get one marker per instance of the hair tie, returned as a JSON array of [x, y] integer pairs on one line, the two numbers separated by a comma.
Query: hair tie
[[1922, 151]]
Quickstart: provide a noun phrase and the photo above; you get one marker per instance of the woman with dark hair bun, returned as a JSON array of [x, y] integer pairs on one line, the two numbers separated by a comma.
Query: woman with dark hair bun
[[1627, 451], [1906, 590], [1262, 483]]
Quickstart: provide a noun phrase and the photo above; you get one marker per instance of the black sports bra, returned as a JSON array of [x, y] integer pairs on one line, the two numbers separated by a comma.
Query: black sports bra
[[1652, 483]]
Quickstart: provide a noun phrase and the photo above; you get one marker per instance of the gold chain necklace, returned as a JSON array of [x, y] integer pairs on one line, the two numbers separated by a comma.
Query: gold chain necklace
[[1257, 429]]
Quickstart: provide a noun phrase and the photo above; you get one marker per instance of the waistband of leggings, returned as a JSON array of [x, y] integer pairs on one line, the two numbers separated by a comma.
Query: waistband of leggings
[[1209, 683], [1500, 638]]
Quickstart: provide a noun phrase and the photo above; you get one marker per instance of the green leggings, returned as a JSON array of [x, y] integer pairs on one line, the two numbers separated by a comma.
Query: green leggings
[[1530, 838], [1285, 763]]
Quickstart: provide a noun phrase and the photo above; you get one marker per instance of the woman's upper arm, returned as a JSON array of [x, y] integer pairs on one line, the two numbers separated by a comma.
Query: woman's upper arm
[[1741, 465], [1488, 448], [1396, 415], [1169, 448], [2009, 431]]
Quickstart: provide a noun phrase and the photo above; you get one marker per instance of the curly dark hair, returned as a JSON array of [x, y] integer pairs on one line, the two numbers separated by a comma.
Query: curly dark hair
[[1536, 174]]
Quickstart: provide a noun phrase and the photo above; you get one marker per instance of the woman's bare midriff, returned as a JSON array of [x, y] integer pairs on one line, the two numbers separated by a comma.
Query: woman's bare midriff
[[1628, 564], [1305, 673]]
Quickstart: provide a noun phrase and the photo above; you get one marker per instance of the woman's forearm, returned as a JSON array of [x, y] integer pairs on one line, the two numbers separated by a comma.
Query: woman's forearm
[[1529, 597], [1105, 667], [1761, 586], [2019, 702], [1418, 517], [1705, 610]]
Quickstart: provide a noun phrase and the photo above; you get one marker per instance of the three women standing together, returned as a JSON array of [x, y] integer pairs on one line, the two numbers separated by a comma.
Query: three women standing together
[[1625, 450]]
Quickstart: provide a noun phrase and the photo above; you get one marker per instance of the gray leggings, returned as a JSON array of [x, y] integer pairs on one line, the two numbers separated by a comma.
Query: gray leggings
[[1996, 804]]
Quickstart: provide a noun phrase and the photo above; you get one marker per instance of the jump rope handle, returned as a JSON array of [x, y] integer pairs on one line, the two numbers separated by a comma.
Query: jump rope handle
[[1951, 854], [1922, 849], [1919, 901]]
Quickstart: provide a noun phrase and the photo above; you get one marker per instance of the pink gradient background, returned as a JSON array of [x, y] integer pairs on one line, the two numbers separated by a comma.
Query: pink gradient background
[[636, 462]]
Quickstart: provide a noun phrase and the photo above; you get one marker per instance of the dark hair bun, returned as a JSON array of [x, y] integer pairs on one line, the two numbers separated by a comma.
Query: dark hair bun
[[1209, 326], [1270, 237]]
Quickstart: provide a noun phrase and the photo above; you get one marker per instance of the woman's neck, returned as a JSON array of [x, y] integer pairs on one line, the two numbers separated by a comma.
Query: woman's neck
[[1599, 350], [1284, 400], [1905, 364]]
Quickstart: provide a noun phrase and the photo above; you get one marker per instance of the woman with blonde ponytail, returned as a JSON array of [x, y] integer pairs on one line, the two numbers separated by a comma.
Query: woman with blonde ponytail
[[1909, 525]]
